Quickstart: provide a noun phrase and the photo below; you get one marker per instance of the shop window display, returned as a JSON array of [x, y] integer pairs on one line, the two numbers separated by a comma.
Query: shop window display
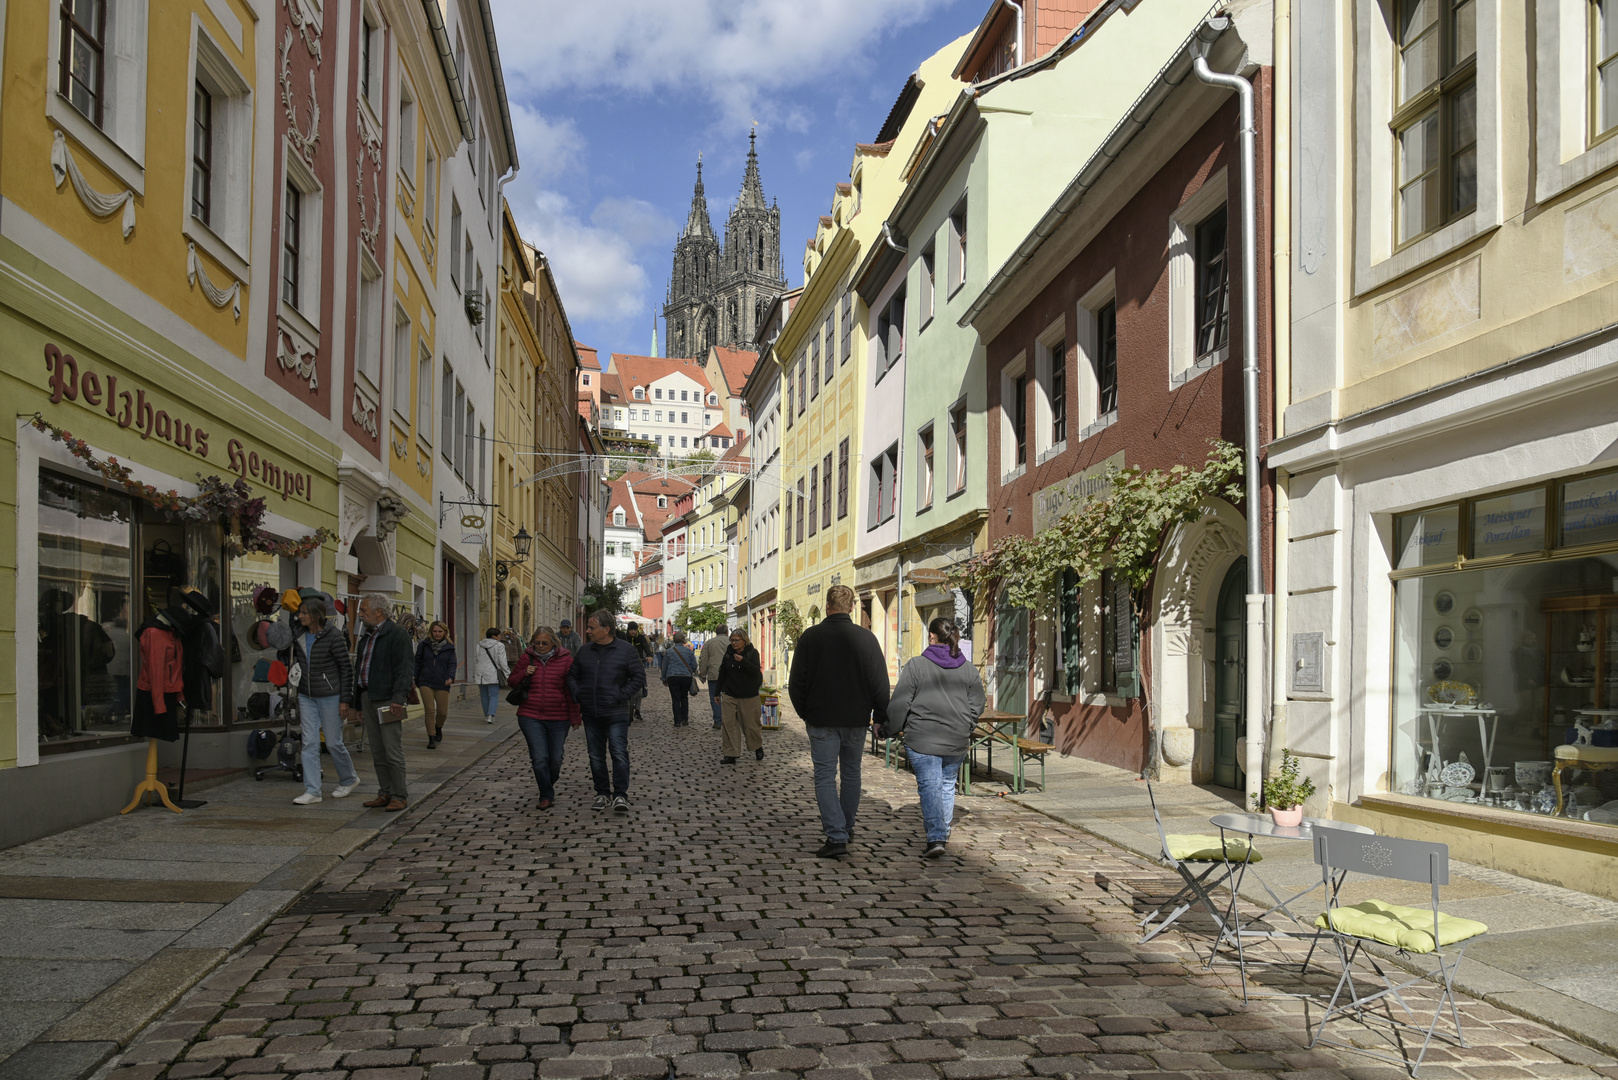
[[86, 579], [1506, 651]]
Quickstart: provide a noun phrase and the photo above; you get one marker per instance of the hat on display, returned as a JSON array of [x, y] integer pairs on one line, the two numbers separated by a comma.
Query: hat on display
[[258, 708], [199, 603], [278, 673], [341, 608], [264, 599], [291, 600], [260, 634], [261, 743], [261, 671], [279, 635]]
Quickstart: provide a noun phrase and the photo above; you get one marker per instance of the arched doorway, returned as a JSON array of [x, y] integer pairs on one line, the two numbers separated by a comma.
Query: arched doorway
[[1230, 677]]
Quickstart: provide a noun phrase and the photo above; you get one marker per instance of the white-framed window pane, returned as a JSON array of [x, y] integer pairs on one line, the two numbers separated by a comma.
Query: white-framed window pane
[[424, 394], [1418, 173]]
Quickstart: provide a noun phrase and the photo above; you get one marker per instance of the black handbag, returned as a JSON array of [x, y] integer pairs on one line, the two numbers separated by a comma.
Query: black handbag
[[518, 693]]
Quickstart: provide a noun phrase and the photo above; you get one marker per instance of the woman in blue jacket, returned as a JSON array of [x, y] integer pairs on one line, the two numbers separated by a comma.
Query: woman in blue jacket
[[435, 673]]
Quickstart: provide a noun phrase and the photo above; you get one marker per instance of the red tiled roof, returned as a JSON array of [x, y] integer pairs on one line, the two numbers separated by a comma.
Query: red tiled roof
[[587, 357], [879, 149], [737, 365], [723, 431], [737, 451], [611, 388], [633, 371]]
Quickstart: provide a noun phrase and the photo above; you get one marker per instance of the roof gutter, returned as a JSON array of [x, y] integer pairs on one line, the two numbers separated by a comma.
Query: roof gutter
[[446, 59], [1175, 72]]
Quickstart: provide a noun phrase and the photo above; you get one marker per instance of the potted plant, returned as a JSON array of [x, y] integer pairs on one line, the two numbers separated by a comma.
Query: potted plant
[[1285, 792]]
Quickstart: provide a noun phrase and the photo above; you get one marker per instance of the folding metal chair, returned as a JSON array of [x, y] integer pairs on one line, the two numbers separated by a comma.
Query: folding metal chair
[[1409, 930], [1218, 860]]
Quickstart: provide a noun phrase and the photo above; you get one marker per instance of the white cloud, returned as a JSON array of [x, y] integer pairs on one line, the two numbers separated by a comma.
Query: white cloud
[[597, 267], [736, 55], [545, 147]]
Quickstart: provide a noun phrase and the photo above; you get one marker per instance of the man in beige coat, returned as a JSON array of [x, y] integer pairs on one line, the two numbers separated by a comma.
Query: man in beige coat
[[708, 664]]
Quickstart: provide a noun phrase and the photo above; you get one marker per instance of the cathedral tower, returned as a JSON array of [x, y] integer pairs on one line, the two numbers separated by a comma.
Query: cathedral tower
[[718, 294]]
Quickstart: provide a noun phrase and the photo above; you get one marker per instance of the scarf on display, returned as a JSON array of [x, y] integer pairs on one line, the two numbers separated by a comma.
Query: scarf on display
[[939, 654]]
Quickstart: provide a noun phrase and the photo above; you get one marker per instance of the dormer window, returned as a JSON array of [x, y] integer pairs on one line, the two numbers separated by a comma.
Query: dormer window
[[662, 502], [640, 393], [713, 399]]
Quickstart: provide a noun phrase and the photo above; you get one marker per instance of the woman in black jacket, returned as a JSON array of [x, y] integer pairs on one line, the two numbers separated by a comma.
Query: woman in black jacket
[[740, 676], [436, 664], [325, 690]]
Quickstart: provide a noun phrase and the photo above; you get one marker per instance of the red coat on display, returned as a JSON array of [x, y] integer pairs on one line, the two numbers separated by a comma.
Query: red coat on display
[[547, 696], [158, 689]]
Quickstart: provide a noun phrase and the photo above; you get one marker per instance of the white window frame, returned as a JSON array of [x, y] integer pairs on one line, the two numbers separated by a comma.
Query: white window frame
[[310, 245], [401, 363], [227, 238], [369, 332], [371, 22], [1375, 261], [960, 225], [424, 394], [1088, 419], [120, 144], [1564, 153], [927, 285], [926, 466], [1043, 447], [958, 462], [1184, 363], [408, 134], [1008, 441]]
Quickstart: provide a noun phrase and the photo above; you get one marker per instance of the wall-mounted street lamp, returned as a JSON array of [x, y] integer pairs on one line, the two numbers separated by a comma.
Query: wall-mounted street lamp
[[522, 544]]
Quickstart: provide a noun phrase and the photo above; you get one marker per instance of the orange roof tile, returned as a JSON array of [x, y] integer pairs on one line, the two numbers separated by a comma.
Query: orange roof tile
[[587, 357], [633, 371], [737, 364], [878, 149], [722, 430]]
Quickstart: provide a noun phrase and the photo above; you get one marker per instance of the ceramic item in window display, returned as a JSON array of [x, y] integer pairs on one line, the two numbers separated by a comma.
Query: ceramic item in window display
[[1497, 780], [1601, 816], [1532, 776], [1472, 619], [1444, 603], [1472, 653], [1457, 773], [1587, 639], [1544, 801], [1445, 692], [1442, 669], [1581, 678], [1443, 637]]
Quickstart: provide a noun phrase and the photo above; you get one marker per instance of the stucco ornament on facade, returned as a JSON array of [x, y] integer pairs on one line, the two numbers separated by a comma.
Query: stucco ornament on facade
[[364, 412], [390, 510], [370, 226], [305, 16], [297, 357], [303, 142], [102, 205], [196, 274]]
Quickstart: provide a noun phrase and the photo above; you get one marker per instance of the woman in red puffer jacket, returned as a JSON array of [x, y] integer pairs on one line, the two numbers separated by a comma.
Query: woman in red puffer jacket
[[547, 711]]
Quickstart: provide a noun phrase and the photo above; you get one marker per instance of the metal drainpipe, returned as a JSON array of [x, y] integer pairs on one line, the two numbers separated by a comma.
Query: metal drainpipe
[[1022, 18], [1256, 600], [899, 558]]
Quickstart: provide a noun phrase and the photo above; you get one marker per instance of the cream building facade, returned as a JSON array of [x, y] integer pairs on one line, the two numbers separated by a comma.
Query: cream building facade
[[1448, 447]]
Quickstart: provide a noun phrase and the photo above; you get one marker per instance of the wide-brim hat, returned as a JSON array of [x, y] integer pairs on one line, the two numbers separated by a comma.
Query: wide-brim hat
[[265, 598], [199, 603]]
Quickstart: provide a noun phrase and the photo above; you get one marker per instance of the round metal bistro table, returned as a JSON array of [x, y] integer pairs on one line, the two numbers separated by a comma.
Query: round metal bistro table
[[1234, 931]]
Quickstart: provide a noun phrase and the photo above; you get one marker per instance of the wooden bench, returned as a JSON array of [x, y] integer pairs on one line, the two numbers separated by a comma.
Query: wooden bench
[[1028, 748]]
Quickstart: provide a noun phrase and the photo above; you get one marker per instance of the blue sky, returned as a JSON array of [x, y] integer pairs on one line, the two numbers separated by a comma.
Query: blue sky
[[612, 100]]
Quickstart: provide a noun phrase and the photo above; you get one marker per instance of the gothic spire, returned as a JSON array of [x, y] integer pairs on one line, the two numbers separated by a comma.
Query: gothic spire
[[696, 222], [752, 196]]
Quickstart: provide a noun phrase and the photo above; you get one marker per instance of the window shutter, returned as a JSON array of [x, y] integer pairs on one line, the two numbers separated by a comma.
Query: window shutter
[[873, 494]]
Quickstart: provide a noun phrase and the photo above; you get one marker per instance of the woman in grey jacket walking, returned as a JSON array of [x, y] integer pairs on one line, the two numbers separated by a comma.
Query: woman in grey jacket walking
[[324, 692], [935, 705]]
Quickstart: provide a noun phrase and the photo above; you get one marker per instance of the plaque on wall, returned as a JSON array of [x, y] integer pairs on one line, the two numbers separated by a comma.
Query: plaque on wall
[[1309, 663]]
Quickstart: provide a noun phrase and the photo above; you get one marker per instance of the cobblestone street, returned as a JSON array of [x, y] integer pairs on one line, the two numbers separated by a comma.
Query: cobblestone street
[[698, 936]]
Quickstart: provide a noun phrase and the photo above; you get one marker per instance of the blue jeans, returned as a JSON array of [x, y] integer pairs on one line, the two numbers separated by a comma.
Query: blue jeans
[[601, 734], [545, 741], [490, 693], [314, 716], [680, 697], [935, 783], [713, 699], [829, 748]]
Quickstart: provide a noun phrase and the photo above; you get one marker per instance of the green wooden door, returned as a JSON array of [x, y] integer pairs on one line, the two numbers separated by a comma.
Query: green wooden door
[[1011, 659], [1230, 677]]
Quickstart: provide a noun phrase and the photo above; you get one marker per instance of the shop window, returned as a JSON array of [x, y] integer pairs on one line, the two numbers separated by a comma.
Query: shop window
[[1069, 637], [1506, 649], [86, 620]]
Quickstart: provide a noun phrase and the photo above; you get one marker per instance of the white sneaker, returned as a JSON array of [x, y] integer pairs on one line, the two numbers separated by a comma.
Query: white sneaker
[[307, 799], [344, 791], [488, 719]]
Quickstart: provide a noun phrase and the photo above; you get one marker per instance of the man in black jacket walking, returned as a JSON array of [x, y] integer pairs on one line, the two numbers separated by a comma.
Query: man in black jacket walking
[[382, 673], [606, 678], [839, 686]]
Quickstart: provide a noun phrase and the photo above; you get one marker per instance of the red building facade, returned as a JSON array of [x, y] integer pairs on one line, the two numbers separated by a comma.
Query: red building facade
[[1119, 343]]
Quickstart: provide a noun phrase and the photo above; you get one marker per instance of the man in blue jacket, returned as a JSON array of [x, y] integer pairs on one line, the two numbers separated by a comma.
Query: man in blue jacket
[[606, 678]]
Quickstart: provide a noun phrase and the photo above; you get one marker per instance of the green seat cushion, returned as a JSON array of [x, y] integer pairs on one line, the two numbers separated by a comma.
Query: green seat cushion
[[1187, 847], [1407, 928]]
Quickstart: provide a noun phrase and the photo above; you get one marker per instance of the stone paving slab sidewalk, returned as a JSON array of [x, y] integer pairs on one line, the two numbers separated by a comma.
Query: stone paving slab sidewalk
[[1551, 954], [103, 926], [698, 935]]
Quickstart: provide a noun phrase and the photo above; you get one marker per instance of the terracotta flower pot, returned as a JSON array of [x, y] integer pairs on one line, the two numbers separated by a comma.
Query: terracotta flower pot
[[1287, 819]]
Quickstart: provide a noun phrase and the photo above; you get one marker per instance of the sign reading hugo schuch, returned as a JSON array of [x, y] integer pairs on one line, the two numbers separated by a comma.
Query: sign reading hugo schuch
[[130, 406]]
